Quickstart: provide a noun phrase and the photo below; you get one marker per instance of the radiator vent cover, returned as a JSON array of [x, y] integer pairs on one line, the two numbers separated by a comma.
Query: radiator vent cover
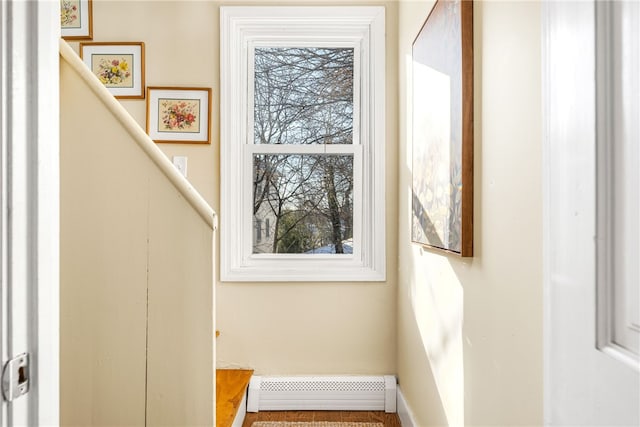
[[367, 393]]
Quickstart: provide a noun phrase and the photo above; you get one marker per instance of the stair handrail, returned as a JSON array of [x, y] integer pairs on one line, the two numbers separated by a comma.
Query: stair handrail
[[183, 186]]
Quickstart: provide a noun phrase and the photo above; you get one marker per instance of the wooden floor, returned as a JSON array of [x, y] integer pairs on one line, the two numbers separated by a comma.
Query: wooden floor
[[389, 420]]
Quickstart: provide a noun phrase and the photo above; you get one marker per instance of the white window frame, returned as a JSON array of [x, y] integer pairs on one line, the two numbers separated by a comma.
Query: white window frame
[[241, 29]]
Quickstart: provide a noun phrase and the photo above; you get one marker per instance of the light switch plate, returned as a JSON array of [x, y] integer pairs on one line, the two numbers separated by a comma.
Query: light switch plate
[[180, 162]]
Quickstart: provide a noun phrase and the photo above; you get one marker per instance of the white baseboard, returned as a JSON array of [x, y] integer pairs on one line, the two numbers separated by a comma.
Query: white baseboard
[[404, 412], [242, 412]]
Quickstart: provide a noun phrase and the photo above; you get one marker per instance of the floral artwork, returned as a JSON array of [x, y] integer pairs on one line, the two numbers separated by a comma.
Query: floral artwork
[[179, 115], [118, 66], [69, 14], [114, 71], [76, 19]]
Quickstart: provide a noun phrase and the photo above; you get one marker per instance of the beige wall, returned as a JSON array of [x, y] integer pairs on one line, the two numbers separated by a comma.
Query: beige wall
[[136, 275], [180, 50], [469, 337], [470, 330], [320, 328], [281, 328]]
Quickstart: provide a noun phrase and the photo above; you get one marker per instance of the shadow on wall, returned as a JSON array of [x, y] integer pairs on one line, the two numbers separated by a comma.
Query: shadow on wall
[[428, 229]]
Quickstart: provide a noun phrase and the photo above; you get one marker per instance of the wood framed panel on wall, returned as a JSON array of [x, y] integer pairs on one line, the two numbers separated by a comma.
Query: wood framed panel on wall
[[179, 114], [442, 165], [118, 65], [76, 19]]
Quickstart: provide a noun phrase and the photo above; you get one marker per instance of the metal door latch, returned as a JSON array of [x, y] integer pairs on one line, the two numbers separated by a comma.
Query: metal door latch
[[15, 377]]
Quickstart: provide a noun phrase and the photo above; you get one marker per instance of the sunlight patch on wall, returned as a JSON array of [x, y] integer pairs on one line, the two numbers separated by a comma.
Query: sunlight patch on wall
[[437, 302], [436, 297]]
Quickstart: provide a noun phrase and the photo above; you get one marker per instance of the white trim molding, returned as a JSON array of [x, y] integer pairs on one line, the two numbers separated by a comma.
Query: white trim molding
[[404, 411], [617, 196], [29, 205], [583, 384], [242, 29]]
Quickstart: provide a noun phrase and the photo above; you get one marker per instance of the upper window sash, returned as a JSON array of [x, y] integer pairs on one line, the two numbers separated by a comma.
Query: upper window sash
[[357, 78]]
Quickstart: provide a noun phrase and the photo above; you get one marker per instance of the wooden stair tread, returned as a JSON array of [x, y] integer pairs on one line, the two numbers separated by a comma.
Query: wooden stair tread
[[231, 386]]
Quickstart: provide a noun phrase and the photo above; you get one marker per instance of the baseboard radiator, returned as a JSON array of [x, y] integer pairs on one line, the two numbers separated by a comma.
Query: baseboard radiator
[[322, 393]]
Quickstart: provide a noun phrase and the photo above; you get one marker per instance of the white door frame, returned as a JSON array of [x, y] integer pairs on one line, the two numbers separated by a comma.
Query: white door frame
[[582, 384], [29, 214]]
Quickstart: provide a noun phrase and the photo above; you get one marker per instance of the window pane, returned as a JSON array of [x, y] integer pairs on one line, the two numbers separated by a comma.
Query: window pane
[[303, 96], [306, 201]]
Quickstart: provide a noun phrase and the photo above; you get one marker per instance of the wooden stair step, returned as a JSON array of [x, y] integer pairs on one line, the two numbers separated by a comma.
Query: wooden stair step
[[231, 387]]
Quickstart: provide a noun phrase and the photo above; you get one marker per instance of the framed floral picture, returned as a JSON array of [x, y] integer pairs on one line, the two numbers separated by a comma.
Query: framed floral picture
[[76, 19], [119, 66], [179, 115]]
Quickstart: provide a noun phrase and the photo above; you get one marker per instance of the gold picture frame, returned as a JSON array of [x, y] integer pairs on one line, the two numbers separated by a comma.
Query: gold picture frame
[[118, 65], [76, 19], [179, 115]]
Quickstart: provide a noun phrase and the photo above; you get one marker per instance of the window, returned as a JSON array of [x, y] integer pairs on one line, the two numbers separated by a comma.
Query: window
[[302, 131], [258, 233]]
